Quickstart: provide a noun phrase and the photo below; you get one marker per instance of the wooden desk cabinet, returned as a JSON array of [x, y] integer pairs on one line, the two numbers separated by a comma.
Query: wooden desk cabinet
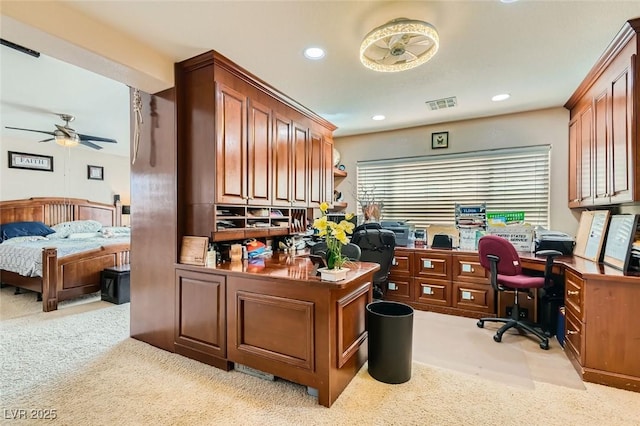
[[602, 328], [445, 281], [400, 286]]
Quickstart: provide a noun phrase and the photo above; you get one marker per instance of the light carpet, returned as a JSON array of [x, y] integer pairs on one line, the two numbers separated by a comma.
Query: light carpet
[[80, 361]]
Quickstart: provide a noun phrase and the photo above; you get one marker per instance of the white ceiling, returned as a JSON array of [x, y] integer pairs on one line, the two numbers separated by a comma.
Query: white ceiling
[[538, 51]]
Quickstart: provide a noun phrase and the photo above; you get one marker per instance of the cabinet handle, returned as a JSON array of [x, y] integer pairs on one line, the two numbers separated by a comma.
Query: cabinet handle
[[394, 262], [572, 332], [572, 293]]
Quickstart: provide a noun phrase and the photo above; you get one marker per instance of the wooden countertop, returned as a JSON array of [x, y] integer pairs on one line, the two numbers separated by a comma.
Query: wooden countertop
[[280, 266]]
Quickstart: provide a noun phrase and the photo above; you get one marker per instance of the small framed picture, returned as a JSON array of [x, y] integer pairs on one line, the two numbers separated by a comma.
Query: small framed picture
[[439, 140], [22, 160], [95, 172]]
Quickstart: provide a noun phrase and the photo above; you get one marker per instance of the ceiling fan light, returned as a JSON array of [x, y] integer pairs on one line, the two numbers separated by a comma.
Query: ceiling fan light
[[400, 28], [64, 140]]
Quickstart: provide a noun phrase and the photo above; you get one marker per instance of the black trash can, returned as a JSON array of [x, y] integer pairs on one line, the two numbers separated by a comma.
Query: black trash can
[[390, 327]]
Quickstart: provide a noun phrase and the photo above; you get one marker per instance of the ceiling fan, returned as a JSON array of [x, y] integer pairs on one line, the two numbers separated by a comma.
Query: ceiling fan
[[66, 136]]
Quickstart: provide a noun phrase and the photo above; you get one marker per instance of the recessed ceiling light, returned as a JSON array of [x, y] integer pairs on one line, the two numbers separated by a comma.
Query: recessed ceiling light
[[501, 97], [378, 117], [314, 53]]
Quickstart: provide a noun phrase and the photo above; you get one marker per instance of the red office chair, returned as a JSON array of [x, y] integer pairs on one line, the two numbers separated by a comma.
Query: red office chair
[[498, 256]]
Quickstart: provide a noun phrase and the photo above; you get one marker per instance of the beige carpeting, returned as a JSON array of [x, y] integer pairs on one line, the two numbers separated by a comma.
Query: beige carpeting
[[80, 362]]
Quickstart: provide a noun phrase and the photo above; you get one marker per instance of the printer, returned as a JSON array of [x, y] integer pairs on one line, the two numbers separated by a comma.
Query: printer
[[554, 240], [400, 229]]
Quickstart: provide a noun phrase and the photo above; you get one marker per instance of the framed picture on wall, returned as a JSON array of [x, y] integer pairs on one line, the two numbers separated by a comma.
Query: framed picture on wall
[[22, 160], [95, 172], [439, 140]]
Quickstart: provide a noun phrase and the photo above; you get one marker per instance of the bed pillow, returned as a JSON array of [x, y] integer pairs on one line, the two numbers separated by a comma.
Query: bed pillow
[[24, 229], [115, 231], [65, 229]]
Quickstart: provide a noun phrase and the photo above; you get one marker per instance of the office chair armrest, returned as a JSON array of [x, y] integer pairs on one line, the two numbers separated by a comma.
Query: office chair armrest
[[493, 259], [548, 266]]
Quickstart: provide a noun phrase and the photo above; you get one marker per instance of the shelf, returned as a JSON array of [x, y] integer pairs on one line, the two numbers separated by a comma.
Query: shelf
[[339, 173], [339, 205]]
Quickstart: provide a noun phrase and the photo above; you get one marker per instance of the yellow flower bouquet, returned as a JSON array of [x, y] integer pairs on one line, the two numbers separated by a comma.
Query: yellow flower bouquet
[[335, 236]]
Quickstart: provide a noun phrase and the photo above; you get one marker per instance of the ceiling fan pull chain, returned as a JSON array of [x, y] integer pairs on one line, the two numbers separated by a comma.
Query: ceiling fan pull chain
[[137, 109]]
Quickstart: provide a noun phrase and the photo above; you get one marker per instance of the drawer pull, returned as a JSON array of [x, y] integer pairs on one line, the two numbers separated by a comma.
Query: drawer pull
[[572, 332], [394, 262], [572, 293]]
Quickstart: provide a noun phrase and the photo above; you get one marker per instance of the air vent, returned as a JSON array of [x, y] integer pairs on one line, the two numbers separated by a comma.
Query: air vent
[[442, 103]]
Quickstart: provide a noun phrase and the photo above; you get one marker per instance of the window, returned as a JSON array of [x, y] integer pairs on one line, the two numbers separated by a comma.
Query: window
[[424, 190]]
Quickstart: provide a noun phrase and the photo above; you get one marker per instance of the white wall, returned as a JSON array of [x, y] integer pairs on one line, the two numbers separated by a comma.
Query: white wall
[[69, 176], [543, 127]]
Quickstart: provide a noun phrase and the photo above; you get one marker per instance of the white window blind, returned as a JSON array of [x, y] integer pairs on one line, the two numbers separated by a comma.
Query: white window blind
[[424, 190]]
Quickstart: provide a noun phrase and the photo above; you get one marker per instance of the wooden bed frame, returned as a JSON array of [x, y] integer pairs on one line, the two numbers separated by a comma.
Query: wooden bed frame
[[69, 276]]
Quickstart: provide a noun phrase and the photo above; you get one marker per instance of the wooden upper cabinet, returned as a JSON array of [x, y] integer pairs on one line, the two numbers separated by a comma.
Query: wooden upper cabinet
[[574, 164], [316, 175], [320, 169], [259, 155], [600, 151], [623, 137], [299, 165], [282, 129], [603, 129], [586, 157], [327, 167], [231, 145]]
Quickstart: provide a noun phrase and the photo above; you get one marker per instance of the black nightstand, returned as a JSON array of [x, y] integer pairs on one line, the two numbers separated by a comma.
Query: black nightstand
[[115, 283]]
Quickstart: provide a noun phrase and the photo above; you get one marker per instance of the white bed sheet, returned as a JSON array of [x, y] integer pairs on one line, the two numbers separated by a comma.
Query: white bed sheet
[[25, 257]]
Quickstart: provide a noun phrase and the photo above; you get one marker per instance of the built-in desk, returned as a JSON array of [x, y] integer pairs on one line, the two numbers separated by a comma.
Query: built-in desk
[[275, 315], [602, 304]]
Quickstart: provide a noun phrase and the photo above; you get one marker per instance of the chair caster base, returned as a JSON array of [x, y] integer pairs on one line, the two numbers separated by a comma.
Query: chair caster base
[[544, 345], [480, 324], [497, 338]]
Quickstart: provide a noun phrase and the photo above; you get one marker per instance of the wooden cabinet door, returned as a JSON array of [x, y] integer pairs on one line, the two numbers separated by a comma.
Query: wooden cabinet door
[[201, 312], [259, 155], [231, 143], [316, 172], [574, 164], [299, 165], [327, 169], [600, 152], [281, 161], [586, 157], [622, 139]]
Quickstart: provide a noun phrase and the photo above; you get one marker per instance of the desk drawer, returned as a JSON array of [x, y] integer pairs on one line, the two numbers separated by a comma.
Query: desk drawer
[[399, 288], [433, 265], [432, 292], [475, 297], [574, 294], [401, 263], [468, 269], [573, 336]]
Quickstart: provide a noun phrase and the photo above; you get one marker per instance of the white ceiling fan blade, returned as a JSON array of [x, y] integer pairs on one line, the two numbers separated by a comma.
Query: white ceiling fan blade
[[395, 39], [375, 52]]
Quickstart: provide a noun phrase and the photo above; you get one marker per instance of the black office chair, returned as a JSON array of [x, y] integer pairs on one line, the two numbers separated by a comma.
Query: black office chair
[[500, 257], [376, 245], [351, 251]]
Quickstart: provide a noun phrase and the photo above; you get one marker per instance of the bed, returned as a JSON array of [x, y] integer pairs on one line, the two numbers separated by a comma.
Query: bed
[[65, 276]]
